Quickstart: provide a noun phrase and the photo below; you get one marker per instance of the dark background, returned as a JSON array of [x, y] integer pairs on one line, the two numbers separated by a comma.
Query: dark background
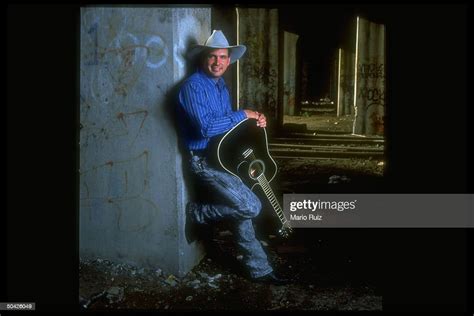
[[427, 140]]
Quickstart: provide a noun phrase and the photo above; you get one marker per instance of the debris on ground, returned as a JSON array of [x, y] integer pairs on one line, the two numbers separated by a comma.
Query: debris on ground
[[338, 179]]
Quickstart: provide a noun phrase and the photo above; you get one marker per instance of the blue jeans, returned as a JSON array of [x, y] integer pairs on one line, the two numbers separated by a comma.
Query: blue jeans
[[232, 200]]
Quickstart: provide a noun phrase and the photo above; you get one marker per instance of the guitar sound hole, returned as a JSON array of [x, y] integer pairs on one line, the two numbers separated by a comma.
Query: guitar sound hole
[[256, 168]]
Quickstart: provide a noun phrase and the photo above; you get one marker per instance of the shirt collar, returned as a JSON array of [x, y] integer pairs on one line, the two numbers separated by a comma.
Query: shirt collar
[[219, 83]]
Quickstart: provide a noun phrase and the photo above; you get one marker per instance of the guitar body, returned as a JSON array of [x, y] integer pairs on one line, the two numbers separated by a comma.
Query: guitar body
[[243, 152]]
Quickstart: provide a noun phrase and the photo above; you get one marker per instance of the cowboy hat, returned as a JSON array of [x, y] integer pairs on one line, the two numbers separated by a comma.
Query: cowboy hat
[[217, 40]]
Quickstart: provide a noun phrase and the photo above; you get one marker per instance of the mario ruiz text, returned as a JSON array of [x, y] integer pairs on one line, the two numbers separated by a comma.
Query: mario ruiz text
[[322, 205]]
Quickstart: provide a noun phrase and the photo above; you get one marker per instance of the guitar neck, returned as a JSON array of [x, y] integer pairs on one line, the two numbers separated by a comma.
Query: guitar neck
[[262, 180]]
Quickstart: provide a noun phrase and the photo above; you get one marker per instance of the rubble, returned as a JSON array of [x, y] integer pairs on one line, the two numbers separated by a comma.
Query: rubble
[[171, 280], [210, 286], [338, 179], [213, 278], [195, 284], [115, 294]]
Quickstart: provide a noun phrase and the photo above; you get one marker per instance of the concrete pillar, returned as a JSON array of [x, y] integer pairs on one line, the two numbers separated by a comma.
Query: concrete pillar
[[345, 94], [289, 72], [132, 193], [258, 69], [340, 82], [370, 79], [348, 78]]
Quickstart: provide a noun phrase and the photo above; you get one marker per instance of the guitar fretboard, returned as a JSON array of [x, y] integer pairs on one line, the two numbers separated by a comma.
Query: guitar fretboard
[[262, 180]]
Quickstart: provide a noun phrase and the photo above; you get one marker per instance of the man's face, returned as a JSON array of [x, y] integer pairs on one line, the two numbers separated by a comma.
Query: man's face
[[216, 61]]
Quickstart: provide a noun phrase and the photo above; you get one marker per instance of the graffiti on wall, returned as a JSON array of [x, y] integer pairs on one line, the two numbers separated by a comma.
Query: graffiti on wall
[[118, 193], [371, 95], [126, 125], [123, 60], [151, 50], [113, 60], [371, 71], [370, 82]]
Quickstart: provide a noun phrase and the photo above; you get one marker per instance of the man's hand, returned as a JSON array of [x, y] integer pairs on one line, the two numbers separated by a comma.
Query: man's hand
[[261, 119]]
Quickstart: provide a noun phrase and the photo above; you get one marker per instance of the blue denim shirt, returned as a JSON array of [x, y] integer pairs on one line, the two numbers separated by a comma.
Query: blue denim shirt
[[204, 110]]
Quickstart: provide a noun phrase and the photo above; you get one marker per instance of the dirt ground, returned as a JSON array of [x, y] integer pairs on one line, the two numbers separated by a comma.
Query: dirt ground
[[322, 280], [302, 175], [331, 269]]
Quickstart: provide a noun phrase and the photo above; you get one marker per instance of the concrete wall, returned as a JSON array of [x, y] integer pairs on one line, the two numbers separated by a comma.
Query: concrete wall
[[132, 193]]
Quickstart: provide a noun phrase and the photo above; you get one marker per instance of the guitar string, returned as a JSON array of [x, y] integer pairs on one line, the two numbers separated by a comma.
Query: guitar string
[[268, 191], [271, 196]]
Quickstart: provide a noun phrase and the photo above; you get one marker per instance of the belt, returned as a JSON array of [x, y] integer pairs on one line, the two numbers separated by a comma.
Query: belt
[[199, 152]]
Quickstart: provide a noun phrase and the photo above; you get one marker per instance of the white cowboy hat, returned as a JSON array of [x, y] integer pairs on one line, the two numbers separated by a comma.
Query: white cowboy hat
[[217, 40]]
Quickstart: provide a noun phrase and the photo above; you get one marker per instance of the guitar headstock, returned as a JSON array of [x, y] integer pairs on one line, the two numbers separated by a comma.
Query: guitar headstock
[[285, 231]]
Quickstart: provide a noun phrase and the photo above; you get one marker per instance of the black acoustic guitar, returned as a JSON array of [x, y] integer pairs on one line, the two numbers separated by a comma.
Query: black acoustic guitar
[[243, 152]]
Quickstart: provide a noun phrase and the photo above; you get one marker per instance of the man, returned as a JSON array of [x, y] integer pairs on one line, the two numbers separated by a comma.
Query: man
[[205, 111]]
